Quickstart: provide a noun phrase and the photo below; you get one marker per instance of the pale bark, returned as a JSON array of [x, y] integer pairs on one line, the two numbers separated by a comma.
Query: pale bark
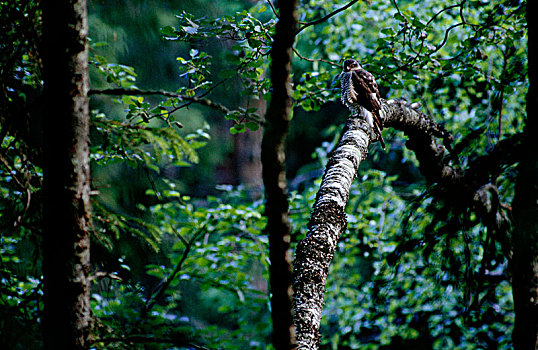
[[328, 220]]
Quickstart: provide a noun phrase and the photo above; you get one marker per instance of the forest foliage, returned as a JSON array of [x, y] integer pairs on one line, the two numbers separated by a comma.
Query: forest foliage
[[180, 259]]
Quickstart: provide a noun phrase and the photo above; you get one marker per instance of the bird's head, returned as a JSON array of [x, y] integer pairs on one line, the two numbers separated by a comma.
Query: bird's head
[[350, 65]]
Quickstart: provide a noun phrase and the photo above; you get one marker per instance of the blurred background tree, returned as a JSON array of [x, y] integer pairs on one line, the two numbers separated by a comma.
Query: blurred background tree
[[178, 255]]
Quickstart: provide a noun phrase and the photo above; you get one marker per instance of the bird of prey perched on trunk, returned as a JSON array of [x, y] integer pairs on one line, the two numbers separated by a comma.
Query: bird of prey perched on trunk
[[359, 89]]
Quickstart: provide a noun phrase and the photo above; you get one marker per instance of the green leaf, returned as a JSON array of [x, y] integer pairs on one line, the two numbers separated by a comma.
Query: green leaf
[[417, 23], [237, 128], [388, 31], [224, 308], [168, 31], [254, 126]]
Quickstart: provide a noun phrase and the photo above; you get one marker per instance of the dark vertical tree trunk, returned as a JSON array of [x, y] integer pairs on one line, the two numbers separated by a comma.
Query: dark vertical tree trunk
[[66, 246], [525, 209], [274, 178]]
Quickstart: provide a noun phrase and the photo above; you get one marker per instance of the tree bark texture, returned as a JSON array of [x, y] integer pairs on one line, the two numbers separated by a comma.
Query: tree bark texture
[[525, 210], [313, 254], [66, 245], [274, 177]]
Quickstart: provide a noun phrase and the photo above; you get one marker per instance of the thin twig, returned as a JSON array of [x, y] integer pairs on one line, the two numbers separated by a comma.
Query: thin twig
[[152, 183], [273, 8], [438, 47], [323, 19], [12, 172], [314, 59], [398, 9], [447, 32], [443, 10]]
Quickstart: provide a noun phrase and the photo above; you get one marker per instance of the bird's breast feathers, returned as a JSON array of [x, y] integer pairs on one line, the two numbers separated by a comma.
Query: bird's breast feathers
[[349, 94]]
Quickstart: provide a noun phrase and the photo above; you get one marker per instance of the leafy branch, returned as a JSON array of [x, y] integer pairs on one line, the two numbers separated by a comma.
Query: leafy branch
[[138, 92], [161, 288]]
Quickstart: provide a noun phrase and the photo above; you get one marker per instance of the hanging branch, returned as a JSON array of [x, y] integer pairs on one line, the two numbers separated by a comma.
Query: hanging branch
[[334, 64]]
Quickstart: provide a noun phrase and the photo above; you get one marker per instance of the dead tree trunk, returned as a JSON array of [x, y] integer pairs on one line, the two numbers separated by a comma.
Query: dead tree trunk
[[328, 219], [66, 254], [274, 178]]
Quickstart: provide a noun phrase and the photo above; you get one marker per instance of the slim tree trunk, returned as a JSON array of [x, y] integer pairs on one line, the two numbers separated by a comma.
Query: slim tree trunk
[[525, 236], [66, 246], [274, 178]]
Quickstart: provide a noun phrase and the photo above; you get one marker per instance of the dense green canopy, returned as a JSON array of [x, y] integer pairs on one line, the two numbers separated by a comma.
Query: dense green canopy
[[179, 255]]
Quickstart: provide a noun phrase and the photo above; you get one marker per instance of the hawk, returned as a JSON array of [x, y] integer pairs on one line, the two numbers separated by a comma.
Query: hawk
[[359, 89]]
